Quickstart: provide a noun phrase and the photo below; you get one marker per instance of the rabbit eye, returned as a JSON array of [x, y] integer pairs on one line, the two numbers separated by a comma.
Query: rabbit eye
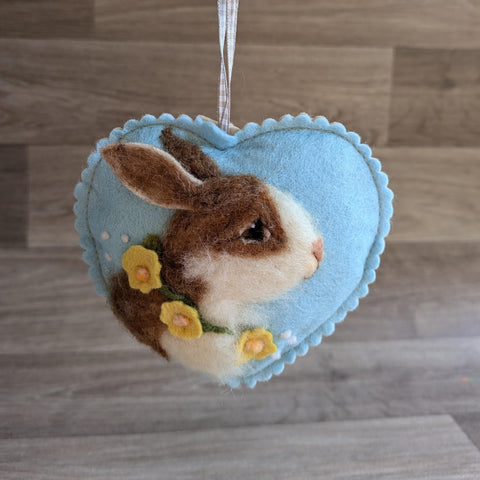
[[256, 233]]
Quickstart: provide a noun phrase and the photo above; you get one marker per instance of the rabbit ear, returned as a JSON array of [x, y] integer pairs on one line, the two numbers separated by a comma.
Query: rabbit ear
[[190, 156], [152, 174]]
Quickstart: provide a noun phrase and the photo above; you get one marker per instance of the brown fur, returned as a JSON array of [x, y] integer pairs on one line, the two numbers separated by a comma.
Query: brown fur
[[151, 175], [210, 216], [139, 312], [190, 156], [230, 205]]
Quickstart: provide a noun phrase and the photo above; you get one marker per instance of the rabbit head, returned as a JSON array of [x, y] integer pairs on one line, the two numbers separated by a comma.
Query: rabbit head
[[232, 238]]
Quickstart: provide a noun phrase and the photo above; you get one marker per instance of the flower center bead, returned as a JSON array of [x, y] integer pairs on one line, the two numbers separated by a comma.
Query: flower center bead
[[180, 320], [142, 274], [255, 345]]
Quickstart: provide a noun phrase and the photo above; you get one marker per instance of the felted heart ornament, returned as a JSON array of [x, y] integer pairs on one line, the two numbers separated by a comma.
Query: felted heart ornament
[[232, 253]]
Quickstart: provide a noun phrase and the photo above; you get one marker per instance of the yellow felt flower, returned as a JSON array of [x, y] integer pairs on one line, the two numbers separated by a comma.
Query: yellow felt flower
[[142, 267], [255, 345], [182, 321]]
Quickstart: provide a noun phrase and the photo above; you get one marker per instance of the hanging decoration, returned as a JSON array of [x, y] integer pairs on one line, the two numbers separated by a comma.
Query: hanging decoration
[[232, 250]]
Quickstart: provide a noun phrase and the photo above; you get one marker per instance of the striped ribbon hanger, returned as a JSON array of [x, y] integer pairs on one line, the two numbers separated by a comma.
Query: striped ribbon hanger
[[227, 32]]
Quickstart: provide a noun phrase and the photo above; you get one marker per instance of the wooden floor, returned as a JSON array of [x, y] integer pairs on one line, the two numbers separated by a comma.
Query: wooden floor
[[394, 393]]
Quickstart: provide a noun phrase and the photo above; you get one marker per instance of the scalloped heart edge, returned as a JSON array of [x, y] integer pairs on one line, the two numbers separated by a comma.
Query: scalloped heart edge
[[222, 140]]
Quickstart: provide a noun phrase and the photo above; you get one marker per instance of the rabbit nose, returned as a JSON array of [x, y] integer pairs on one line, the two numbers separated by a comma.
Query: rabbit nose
[[317, 249]]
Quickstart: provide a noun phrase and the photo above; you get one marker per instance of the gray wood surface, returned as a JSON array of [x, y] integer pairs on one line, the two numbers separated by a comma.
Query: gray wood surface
[[414, 448], [394, 394], [46, 18], [89, 92], [130, 391], [423, 290], [59, 313], [470, 421], [51, 218], [437, 192], [429, 23], [435, 98], [13, 196]]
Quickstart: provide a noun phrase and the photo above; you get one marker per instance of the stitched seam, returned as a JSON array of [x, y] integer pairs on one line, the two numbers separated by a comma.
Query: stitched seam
[[245, 139], [233, 146], [88, 222], [294, 348]]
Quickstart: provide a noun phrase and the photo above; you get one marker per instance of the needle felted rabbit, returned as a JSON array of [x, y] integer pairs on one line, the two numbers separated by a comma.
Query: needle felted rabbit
[[233, 241]]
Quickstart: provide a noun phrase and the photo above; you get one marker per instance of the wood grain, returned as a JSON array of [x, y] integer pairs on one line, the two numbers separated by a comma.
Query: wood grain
[[13, 196], [61, 312], [91, 90], [413, 448], [423, 290], [435, 98], [46, 18], [53, 174], [470, 421], [430, 23], [125, 391], [394, 394], [437, 193]]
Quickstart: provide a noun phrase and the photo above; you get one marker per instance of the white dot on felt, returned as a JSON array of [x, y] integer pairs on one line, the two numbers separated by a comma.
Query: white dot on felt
[[105, 235], [292, 340], [108, 257], [286, 334], [125, 238], [276, 355]]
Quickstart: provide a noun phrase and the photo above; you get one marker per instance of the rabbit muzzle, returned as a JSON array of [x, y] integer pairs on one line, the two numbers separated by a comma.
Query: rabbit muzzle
[[317, 255]]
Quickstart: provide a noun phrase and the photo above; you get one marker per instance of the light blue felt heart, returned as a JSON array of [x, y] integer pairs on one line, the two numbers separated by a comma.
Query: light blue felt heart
[[322, 165]]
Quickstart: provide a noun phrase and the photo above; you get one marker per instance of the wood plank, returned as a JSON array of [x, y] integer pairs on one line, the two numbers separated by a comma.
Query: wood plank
[[413, 448], [435, 98], [469, 422], [47, 18], [13, 196], [430, 23], [121, 391], [92, 90], [422, 291], [173, 21], [53, 173], [348, 85], [437, 193], [61, 311]]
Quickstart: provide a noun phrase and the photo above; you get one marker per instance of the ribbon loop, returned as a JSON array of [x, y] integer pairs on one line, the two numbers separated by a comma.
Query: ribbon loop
[[227, 32]]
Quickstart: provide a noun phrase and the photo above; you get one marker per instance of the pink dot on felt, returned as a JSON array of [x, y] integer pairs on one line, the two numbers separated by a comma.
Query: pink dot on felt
[[108, 257], [125, 238], [105, 235]]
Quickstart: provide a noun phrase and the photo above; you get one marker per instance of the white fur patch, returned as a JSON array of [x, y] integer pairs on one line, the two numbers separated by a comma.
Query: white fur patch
[[235, 283], [238, 280], [212, 353], [215, 354]]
